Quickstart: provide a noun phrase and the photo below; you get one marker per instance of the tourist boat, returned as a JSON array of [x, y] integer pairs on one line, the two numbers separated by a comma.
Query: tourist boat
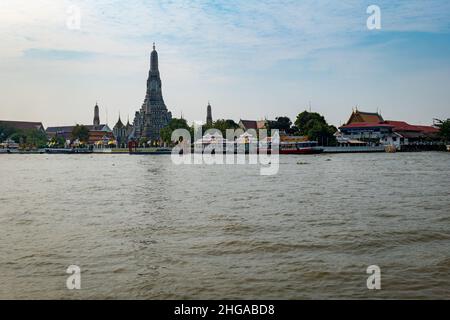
[[59, 151], [306, 147], [68, 151]]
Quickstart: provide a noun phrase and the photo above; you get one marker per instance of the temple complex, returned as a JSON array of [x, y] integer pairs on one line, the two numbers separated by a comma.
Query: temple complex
[[153, 115], [98, 133], [371, 128], [122, 133]]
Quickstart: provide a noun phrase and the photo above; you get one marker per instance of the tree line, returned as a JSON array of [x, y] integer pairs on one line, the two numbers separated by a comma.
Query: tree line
[[310, 124], [30, 138], [33, 138], [444, 129]]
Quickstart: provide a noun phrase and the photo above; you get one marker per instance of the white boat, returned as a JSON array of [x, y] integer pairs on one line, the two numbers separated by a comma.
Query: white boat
[[103, 150]]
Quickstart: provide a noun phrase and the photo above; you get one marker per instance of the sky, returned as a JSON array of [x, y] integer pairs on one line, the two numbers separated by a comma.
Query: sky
[[250, 59]]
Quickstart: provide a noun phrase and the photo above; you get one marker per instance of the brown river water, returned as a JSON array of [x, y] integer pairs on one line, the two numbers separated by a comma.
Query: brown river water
[[140, 227]]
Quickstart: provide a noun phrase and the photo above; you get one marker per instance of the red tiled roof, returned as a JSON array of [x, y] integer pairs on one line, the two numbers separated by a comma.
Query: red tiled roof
[[428, 129], [361, 116], [367, 125], [395, 125], [404, 126], [250, 124]]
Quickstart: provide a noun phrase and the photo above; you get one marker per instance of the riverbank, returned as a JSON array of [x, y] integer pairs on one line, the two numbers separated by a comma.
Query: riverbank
[[163, 151]]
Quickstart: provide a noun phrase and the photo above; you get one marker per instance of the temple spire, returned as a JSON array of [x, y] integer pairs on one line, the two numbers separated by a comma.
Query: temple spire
[[119, 123], [154, 59], [154, 114], [209, 120], [96, 115]]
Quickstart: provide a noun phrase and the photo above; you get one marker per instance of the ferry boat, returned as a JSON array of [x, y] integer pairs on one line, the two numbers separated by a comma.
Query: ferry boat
[[68, 151], [293, 147], [306, 147]]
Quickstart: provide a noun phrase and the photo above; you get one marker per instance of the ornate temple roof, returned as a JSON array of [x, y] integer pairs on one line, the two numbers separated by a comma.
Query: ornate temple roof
[[119, 124], [361, 116]]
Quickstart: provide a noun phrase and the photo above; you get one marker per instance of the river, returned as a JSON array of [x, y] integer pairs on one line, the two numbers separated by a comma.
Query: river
[[140, 227]]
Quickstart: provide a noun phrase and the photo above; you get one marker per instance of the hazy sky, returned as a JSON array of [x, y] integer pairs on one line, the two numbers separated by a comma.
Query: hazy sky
[[251, 59]]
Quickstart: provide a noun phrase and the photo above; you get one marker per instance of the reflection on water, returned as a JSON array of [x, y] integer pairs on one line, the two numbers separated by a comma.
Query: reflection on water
[[141, 227]]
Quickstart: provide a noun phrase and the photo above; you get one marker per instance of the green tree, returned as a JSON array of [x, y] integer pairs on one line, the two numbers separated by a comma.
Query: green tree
[[444, 129], [306, 120], [58, 141], [143, 141], [220, 124], [18, 137], [31, 138], [35, 138], [174, 124], [81, 133], [6, 132], [281, 123], [223, 125], [315, 126]]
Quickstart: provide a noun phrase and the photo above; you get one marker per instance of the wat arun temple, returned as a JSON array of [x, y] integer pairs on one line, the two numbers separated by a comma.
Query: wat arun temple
[[153, 115]]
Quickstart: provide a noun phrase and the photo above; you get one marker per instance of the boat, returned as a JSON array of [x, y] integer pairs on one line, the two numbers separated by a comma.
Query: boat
[[152, 151], [293, 147], [105, 150], [448, 147], [306, 147], [59, 151], [83, 151], [68, 151]]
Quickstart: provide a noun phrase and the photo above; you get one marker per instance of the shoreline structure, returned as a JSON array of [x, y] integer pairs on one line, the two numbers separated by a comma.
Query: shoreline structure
[[168, 151], [363, 132]]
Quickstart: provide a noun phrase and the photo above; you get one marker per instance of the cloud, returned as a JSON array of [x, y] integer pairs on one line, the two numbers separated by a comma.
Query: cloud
[[223, 31], [52, 54], [246, 55]]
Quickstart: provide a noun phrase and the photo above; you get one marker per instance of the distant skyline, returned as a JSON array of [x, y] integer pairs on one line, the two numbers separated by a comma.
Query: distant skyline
[[250, 59]]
